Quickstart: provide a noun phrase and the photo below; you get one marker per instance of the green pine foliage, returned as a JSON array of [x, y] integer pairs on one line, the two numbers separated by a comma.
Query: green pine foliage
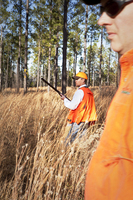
[[46, 19]]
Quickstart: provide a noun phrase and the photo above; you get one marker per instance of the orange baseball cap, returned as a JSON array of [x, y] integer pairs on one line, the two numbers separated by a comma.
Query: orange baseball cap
[[80, 75]]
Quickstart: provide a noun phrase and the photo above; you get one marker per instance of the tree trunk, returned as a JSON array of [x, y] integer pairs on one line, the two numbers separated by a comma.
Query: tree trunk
[[7, 71], [85, 38], [45, 73], [1, 62], [56, 62], [64, 48], [93, 77], [26, 48], [3, 65], [108, 83], [38, 67], [89, 65], [11, 68], [118, 71], [100, 58], [68, 73], [74, 68], [49, 63], [40, 75], [19, 51], [88, 72]]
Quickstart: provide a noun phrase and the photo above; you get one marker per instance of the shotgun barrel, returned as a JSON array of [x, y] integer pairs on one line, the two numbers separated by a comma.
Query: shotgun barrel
[[53, 88]]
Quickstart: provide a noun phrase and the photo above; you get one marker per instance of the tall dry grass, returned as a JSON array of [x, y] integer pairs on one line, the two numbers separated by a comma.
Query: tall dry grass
[[34, 163]]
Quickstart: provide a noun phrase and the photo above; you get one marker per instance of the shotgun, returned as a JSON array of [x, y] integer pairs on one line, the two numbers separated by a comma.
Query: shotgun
[[53, 88]]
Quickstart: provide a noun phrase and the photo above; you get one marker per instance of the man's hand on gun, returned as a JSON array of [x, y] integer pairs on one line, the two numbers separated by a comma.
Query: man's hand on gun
[[62, 97]]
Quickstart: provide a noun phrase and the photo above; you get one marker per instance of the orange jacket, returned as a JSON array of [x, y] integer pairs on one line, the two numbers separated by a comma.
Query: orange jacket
[[85, 111], [110, 173]]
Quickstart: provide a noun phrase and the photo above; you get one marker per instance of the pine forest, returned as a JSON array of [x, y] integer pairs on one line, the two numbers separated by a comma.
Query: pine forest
[[53, 40]]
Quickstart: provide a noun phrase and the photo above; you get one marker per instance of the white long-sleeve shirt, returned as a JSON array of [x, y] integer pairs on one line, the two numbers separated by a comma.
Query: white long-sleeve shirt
[[77, 98]]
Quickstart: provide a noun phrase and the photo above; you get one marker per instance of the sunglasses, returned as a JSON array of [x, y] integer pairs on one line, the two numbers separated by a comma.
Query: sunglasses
[[113, 7]]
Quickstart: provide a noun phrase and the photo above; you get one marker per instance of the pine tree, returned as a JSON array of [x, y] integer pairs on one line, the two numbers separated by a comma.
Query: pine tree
[[93, 35], [64, 47], [100, 58], [75, 32], [85, 38], [26, 47], [3, 18], [19, 51]]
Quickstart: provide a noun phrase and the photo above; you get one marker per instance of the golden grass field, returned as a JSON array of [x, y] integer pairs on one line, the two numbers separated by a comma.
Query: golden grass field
[[34, 163]]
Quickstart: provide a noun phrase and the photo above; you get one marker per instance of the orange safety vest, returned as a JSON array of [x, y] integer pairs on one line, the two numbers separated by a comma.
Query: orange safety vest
[[86, 111], [110, 172]]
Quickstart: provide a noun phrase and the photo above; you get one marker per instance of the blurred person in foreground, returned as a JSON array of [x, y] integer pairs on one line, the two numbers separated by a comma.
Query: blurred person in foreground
[[82, 112], [110, 172]]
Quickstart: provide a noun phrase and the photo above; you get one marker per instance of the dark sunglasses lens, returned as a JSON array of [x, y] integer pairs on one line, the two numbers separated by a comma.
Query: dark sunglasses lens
[[112, 8]]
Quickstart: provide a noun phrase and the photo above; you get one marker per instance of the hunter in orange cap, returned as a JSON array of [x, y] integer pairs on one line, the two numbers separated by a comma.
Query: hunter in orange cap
[[110, 172], [82, 109]]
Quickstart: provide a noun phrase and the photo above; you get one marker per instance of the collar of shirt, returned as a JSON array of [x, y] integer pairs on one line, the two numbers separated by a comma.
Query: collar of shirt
[[82, 86], [126, 62]]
